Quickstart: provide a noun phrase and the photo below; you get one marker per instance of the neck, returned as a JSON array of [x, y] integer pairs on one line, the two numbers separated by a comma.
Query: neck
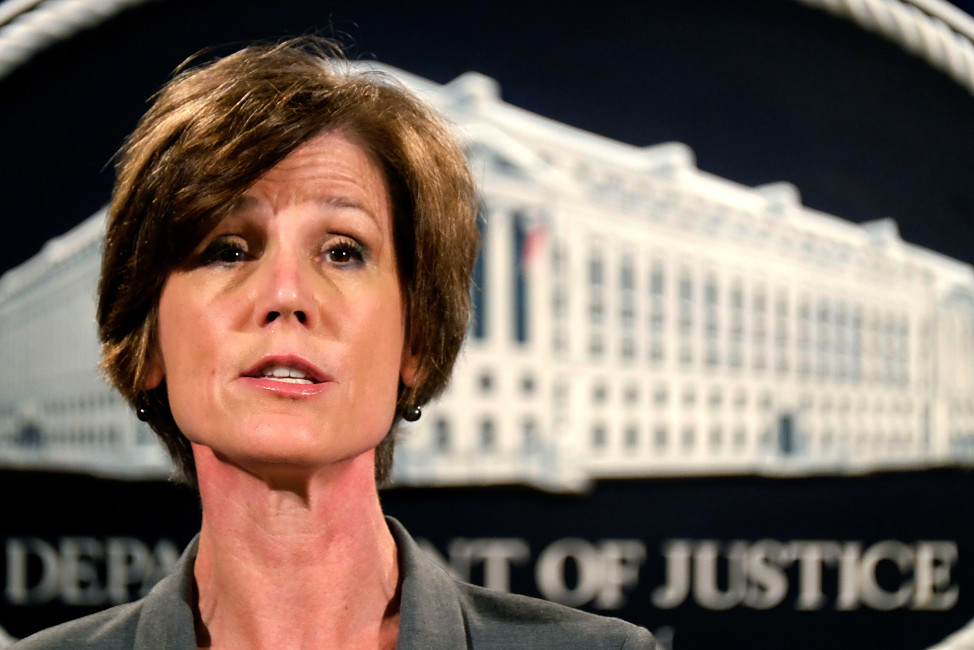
[[295, 559]]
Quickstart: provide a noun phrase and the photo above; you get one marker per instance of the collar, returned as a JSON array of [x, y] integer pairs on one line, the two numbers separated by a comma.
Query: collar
[[429, 607]]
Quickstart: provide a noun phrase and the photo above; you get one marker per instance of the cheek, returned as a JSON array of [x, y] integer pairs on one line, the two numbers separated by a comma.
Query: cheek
[[188, 347], [380, 342]]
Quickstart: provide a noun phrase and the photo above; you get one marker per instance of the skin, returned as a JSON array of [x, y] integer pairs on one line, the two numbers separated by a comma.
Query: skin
[[300, 275]]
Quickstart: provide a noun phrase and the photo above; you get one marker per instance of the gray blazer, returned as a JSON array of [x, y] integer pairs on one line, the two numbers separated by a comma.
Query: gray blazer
[[436, 611]]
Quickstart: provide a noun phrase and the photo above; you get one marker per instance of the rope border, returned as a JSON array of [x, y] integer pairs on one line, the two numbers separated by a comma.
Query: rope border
[[28, 28]]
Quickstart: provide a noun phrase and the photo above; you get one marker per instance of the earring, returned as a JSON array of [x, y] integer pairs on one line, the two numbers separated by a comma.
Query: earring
[[142, 409], [412, 414]]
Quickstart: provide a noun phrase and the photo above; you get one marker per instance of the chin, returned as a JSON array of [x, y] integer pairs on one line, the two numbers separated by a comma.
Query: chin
[[299, 455]]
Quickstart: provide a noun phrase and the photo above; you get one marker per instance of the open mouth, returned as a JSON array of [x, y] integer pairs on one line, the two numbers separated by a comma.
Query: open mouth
[[287, 371], [286, 374]]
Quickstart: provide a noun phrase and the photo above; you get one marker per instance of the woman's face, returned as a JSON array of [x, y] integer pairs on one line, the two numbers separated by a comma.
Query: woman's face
[[282, 339]]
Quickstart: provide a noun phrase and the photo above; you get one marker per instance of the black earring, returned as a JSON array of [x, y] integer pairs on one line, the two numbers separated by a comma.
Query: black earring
[[412, 414], [142, 409]]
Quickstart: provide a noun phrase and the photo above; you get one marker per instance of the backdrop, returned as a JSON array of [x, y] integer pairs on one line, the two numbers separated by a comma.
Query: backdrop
[[762, 91]]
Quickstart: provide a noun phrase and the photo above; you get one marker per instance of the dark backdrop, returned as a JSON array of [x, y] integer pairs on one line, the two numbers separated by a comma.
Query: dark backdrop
[[762, 90], [898, 510]]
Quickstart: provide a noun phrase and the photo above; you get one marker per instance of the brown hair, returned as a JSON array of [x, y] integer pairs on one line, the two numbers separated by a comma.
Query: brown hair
[[210, 133]]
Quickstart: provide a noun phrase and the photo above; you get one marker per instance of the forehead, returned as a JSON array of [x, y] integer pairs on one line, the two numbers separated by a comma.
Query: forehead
[[330, 163]]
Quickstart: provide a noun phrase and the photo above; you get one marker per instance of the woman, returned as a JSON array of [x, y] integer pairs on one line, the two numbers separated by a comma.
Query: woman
[[285, 276]]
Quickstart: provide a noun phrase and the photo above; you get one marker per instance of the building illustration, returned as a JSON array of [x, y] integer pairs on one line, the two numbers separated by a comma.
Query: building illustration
[[634, 316]]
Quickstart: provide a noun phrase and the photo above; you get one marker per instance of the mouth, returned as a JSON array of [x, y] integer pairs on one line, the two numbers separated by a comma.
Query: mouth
[[287, 371]]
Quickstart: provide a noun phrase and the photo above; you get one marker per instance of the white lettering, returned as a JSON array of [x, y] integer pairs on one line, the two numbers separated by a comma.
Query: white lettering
[[550, 572], [768, 583], [707, 593], [873, 595], [84, 570], [932, 588], [79, 573], [621, 559], [677, 587], [496, 554], [754, 575], [811, 556], [19, 551]]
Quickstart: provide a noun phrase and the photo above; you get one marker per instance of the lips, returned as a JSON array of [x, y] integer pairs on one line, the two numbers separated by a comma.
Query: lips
[[287, 370]]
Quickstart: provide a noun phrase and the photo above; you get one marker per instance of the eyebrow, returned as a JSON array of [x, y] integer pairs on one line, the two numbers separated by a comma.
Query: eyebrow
[[244, 202]]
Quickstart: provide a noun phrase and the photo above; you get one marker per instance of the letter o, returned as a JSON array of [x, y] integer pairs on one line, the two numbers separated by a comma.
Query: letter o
[[549, 573]]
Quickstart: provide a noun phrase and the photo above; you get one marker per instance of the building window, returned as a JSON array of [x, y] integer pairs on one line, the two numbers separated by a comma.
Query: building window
[[599, 393], [711, 301], [903, 357], [596, 302], [656, 351], [488, 436], [657, 279], [560, 394], [632, 436], [660, 437], [657, 311], [740, 399], [686, 303], [478, 286], [841, 341], [595, 270], [485, 382], [804, 338], [716, 398], [559, 296], [527, 385], [759, 328], [716, 438], [595, 345], [734, 352], [632, 393], [441, 435], [781, 331], [740, 439], [523, 236], [530, 435], [627, 274], [627, 306], [599, 437], [660, 395], [824, 331]]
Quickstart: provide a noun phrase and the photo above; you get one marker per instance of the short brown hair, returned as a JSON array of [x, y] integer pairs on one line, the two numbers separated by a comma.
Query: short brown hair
[[210, 133]]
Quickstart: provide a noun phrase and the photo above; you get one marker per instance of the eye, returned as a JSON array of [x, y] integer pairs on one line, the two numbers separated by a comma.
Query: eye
[[226, 249], [345, 252]]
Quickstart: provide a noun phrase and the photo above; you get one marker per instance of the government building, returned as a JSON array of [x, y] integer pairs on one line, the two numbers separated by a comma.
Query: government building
[[634, 317]]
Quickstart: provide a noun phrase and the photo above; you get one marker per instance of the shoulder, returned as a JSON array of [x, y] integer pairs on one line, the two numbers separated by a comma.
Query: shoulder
[[502, 620], [106, 630], [438, 611]]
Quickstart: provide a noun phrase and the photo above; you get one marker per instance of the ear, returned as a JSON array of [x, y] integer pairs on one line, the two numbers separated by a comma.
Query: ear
[[409, 366], [154, 372]]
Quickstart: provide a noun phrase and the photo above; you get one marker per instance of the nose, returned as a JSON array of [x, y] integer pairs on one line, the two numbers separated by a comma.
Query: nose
[[275, 315], [284, 291]]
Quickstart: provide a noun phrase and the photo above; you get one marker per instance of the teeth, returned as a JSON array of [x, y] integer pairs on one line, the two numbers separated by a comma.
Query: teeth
[[286, 375]]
